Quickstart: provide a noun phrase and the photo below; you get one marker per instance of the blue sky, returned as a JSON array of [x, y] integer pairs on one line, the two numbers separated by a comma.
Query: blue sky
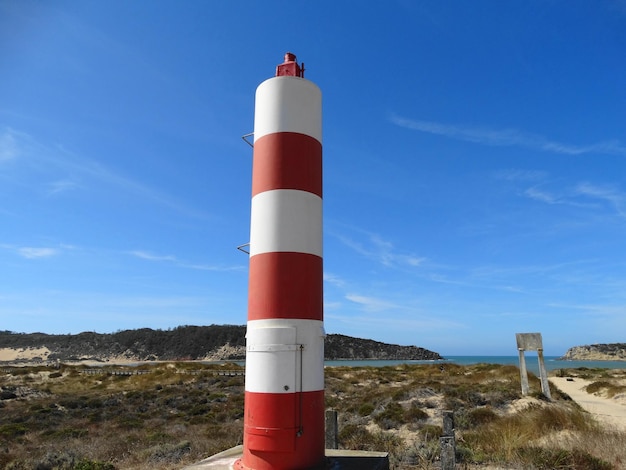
[[474, 165]]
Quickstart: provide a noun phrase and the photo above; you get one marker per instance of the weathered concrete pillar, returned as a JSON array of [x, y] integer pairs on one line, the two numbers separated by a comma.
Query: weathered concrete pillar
[[332, 431], [447, 442], [448, 423], [522, 371], [545, 386]]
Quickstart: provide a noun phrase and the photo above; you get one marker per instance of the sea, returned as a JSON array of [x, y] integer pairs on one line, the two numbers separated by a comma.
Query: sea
[[532, 362]]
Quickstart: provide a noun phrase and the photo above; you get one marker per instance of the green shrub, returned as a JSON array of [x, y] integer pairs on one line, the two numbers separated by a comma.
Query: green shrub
[[130, 422], [93, 465], [67, 433], [414, 413], [479, 416], [11, 430], [603, 385], [366, 409], [355, 437], [391, 416]]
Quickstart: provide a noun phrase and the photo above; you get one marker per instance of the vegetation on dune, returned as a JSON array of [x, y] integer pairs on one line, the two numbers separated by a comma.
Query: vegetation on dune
[[166, 416], [145, 344], [217, 342]]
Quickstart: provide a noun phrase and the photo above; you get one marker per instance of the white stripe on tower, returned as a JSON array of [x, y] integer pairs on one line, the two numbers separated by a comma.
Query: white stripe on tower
[[284, 401]]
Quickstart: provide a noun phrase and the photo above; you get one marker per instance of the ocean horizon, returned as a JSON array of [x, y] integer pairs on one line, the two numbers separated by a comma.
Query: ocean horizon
[[532, 363]]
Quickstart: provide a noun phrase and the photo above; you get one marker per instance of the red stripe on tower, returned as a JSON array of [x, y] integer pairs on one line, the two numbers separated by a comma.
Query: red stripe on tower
[[284, 393]]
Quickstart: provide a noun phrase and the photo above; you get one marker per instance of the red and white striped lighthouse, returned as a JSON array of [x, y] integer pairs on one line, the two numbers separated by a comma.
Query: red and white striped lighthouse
[[284, 392]]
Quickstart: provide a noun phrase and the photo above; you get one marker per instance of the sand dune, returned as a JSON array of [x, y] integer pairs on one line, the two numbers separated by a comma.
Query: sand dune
[[606, 410], [17, 354]]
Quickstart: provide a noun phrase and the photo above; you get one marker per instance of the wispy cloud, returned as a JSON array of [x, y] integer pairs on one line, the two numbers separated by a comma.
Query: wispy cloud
[[30, 252], [398, 324], [508, 138], [607, 310], [513, 174], [542, 196], [145, 255], [151, 256], [376, 248], [610, 195], [38, 252], [61, 186], [88, 167], [371, 304], [64, 168], [8, 145], [334, 280], [585, 195]]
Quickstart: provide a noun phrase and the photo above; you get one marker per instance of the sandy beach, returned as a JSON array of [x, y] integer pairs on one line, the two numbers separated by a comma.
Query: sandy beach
[[610, 411]]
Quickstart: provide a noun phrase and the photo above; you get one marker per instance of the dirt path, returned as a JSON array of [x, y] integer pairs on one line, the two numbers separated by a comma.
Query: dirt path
[[606, 410]]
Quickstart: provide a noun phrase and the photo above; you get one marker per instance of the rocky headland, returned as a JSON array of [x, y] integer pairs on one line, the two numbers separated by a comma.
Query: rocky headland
[[596, 352], [199, 343]]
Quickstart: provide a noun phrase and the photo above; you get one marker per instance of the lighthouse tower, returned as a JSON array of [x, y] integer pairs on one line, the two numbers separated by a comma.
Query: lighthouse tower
[[284, 391]]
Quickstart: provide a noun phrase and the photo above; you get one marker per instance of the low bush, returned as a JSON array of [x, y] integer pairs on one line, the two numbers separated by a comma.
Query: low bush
[[560, 459], [413, 414], [167, 453], [174, 415], [12, 430], [391, 416], [366, 409]]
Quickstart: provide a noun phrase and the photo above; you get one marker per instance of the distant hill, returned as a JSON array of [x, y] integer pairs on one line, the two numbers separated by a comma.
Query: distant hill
[[214, 342], [596, 352]]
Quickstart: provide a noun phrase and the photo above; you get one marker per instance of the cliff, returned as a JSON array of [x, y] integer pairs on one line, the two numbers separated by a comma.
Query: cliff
[[596, 352], [209, 343]]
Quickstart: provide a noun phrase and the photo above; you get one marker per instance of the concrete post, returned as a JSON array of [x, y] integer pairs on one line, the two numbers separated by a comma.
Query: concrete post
[[447, 441], [447, 453], [448, 423], [332, 431], [522, 371], [545, 386]]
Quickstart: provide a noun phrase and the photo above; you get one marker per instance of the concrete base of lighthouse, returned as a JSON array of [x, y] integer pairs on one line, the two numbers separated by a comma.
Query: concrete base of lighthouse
[[336, 459]]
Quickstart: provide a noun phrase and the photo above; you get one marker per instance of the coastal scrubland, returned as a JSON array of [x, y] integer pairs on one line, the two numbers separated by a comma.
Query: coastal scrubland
[[168, 415]]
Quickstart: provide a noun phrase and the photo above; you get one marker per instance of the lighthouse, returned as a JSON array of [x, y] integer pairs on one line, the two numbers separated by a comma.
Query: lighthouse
[[284, 383]]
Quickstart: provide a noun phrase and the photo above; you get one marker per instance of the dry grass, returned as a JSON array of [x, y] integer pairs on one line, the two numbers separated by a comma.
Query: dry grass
[[179, 413], [495, 426], [161, 419]]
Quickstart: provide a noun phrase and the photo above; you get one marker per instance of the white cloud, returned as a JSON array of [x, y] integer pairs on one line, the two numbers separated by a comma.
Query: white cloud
[[34, 252], [584, 195], [61, 186], [182, 264], [371, 303], [8, 146], [71, 167], [512, 174], [211, 267], [376, 248], [399, 325], [152, 257], [334, 280], [508, 138], [612, 196], [542, 196]]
